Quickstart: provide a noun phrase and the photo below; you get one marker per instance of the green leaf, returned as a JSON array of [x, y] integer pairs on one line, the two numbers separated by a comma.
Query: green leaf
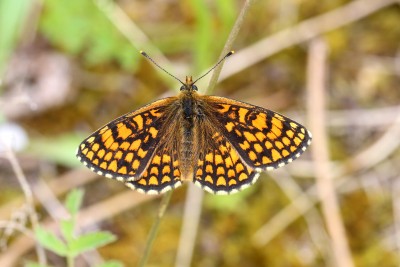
[[203, 41], [67, 229], [90, 241], [74, 201], [12, 17], [112, 263], [50, 241], [59, 149], [89, 34]]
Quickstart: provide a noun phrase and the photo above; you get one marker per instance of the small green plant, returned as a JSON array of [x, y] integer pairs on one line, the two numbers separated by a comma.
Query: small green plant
[[72, 245]]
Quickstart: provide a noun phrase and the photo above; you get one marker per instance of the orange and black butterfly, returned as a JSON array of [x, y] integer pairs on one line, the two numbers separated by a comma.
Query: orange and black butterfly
[[219, 144]]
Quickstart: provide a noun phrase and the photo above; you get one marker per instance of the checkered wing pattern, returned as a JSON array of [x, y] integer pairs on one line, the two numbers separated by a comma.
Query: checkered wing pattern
[[161, 175], [124, 148], [220, 170], [264, 139]]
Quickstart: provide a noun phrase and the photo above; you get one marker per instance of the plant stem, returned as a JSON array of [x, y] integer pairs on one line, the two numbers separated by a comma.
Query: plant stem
[[154, 229], [70, 261], [33, 217], [228, 45]]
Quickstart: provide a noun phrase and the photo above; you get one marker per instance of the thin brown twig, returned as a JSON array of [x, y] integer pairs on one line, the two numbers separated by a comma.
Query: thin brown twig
[[33, 217], [229, 43], [59, 185], [396, 212], [132, 32], [16, 226], [154, 229], [18, 217], [316, 71], [313, 219], [190, 222]]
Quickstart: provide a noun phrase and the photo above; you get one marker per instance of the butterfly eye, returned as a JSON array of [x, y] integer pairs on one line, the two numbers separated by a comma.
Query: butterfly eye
[[183, 88], [194, 88]]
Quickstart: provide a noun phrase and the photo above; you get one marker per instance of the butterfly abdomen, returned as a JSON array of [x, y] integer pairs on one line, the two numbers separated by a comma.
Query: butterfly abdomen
[[186, 153]]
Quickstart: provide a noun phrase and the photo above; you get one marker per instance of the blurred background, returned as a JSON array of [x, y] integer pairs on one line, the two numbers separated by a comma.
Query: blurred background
[[69, 67]]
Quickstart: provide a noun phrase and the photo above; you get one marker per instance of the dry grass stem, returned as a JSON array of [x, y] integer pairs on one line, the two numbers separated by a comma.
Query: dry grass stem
[[396, 212], [316, 71], [302, 203], [33, 217], [154, 228], [318, 234], [58, 186], [229, 43], [14, 226], [302, 32], [299, 205], [190, 223], [132, 32]]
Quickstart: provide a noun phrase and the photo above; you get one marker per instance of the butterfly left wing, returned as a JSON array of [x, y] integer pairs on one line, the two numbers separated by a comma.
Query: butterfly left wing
[[161, 175], [123, 148], [264, 139]]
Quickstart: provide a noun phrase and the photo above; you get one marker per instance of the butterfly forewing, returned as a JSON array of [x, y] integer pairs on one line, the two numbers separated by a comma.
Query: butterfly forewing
[[123, 148], [264, 139]]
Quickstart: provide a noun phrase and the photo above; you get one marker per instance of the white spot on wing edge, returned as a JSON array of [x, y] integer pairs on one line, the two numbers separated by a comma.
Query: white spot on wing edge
[[233, 191], [165, 189], [222, 193], [153, 191], [131, 186], [120, 178]]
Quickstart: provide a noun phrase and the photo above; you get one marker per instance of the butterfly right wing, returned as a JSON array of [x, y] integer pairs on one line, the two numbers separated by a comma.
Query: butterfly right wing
[[264, 139], [123, 148]]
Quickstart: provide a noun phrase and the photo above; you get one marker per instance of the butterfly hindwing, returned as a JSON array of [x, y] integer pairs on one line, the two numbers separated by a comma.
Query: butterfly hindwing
[[161, 175], [264, 139], [123, 148], [220, 170]]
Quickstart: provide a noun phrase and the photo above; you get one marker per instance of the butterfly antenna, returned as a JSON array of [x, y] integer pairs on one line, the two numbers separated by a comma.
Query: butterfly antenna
[[155, 63], [216, 65]]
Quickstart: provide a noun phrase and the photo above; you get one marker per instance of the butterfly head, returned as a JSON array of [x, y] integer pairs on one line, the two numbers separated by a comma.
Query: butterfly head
[[188, 85]]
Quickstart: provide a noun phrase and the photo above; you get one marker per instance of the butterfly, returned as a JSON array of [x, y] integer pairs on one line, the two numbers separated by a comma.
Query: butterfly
[[219, 144]]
